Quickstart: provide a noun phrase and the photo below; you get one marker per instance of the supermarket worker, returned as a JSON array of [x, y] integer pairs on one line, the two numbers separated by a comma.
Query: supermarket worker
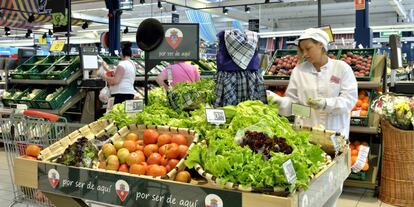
[[328, 86]]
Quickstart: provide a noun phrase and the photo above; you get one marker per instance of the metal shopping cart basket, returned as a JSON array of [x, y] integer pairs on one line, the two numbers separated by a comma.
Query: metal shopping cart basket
[[24, 128]]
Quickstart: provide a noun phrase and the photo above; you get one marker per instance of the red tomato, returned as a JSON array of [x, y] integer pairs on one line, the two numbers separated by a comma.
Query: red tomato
[[163, 149], [157, 170], [179, 139], [173, 163], [164, 139], [150, 136], [182, 151], [149, 149], [123, 168], [164, 160], [154, 158], [172, 152], [138, 169]]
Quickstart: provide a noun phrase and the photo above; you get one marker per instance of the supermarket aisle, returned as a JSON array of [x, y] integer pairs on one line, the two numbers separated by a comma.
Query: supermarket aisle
[[350, 197]]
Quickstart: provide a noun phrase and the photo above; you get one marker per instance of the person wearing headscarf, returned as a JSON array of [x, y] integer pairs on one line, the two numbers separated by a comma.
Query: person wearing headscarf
[[238, 78], [328, 86]]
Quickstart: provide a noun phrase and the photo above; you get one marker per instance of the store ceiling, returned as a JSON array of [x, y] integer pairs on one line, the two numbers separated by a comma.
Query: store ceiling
[[279, 15]]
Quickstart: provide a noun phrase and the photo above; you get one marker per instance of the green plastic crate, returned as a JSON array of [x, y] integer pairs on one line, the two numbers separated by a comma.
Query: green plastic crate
[[39, 72], [58, 100], [61, 72], [35, 60], [51, 59], [361, 175], [21, 72], [13, 100], [28, 102], [364, 121], [364, 52], [276, 55], [335, 52], [67, 60], [112, 60]]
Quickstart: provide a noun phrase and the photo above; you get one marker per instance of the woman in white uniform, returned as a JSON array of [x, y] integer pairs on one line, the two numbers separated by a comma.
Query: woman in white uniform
[[328, 86]]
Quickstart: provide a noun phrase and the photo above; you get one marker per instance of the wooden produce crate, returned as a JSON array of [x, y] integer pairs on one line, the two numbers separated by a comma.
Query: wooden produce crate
[[127, 190]]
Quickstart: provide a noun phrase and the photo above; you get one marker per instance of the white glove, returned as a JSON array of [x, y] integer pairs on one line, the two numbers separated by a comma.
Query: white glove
[[273, 97], [318, 104]]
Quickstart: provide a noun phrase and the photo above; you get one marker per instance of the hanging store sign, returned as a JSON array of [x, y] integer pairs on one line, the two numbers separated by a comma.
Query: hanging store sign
[[59, 12], [116, 189], [126, 4], [254, 25], [359, 4], [388, 34], [181, 42], [57, 46], [175, 18]]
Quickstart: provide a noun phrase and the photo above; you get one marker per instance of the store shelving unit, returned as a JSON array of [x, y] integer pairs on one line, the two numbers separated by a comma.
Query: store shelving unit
[[64, 82]]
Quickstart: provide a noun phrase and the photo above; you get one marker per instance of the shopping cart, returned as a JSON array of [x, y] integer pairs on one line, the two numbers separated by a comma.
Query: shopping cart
[[30, 127]]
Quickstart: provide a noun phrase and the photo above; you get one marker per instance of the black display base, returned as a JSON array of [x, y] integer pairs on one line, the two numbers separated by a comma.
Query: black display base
[[403, 87]]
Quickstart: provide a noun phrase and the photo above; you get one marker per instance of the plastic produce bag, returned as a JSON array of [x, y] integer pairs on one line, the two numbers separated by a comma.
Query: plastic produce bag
[[105, 94]]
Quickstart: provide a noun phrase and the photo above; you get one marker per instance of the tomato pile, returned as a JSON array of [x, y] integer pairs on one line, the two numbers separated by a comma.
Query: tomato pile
[[354, 153], [153, 155], [361, 107], [360, 64]]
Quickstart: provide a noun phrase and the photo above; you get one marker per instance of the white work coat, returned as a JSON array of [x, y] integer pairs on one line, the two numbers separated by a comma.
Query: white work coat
[[335, 82]]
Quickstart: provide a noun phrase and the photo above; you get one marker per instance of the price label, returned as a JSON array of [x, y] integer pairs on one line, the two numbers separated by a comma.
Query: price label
[[215, 116], [289, 171], [134, 106], [335, 143], [361, 159], [57, 45], [110, 104], [19, 108], [301, 110]]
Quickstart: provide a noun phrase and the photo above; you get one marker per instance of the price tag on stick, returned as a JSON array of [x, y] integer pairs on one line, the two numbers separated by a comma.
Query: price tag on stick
[[335, 143], [134, 106], [361, 159], [215, 116], [110, 104], [289, 171]]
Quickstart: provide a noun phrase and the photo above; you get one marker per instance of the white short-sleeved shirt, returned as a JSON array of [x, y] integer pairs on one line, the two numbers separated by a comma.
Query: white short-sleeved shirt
[[126, 85]]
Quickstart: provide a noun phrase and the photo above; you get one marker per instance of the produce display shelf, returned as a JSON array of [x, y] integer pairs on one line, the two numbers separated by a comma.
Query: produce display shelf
[[68, 81], [72, 101], [369, 84], [370, 183], [36, 174], [142, 78], [276, 82], [364, 130]]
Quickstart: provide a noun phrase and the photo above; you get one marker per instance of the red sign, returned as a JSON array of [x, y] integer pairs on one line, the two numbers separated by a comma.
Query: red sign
[[359, 4]]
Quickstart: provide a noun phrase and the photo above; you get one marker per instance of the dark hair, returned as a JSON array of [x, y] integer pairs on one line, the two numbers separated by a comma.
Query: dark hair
[[126, 49]]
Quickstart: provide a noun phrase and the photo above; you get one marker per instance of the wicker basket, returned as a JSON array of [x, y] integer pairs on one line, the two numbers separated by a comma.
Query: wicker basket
[[318, 136], [397, 179], [192, 139], [93, 130]]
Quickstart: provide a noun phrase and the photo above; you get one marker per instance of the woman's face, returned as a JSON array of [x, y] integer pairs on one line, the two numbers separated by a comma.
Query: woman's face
[[311, 51]]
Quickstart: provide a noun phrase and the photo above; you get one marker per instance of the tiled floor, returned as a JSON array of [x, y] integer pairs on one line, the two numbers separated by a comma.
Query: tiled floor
[[351, 197]]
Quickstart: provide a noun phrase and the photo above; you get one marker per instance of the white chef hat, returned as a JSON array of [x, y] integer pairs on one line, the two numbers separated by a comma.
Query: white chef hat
[[316, 34]]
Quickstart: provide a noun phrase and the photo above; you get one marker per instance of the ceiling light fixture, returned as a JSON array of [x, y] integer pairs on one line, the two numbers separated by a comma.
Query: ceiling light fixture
[[31, 18], [173, 8], [7, 31], [126, 30], [225, 11], [267, 1], [85, 25], [28, 33], [159, 4], [246, 9], [44, 35], [142, 1]]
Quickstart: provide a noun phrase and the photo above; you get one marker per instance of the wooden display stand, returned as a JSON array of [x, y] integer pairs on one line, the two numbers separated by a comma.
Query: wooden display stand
[[34, 174]]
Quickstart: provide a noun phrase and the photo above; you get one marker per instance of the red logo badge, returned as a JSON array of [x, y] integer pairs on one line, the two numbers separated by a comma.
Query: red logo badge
[[122, 189], [54, 177], [335, 79], [174, 37]]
